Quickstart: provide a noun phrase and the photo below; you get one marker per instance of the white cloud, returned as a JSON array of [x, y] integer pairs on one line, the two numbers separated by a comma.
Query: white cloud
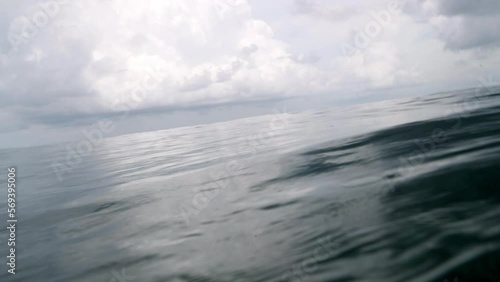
[[208, 52], [85, 58], [461, 24], [380, 66]]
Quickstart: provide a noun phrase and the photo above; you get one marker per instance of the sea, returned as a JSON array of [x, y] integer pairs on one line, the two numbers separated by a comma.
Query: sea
[[398, 190]]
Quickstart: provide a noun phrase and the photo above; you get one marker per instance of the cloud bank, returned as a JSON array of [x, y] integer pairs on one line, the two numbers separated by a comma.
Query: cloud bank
[[62, 61]]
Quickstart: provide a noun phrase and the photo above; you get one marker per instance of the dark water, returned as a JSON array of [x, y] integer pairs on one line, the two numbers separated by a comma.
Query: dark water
[[405, 190]]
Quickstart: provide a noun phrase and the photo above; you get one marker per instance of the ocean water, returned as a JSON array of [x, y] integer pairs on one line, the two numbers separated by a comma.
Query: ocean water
[[401, 190]]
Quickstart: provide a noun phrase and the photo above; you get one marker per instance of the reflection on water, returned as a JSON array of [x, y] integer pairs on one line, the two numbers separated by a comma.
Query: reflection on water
[[368, 193]]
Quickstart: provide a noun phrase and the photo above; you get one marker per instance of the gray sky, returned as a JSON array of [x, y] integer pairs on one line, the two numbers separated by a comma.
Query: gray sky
[[65, 65]]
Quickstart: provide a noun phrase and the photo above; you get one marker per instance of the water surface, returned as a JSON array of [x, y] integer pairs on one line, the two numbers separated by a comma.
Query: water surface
[[403, 190]]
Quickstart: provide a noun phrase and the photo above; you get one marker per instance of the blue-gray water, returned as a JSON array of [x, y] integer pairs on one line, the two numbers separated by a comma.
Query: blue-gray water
[[403, 190]]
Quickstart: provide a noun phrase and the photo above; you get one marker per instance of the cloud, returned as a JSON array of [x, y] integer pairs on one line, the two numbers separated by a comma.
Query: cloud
[[324, 9], [463, 7], [91, 55], [460, 24], [66, 63], [379, 66]]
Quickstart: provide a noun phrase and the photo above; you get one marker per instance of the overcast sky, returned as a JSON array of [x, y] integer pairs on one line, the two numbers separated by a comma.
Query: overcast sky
[[65, 65]]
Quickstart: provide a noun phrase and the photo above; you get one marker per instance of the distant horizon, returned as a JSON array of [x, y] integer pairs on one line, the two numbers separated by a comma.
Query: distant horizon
[[246, 117], [64, 65]]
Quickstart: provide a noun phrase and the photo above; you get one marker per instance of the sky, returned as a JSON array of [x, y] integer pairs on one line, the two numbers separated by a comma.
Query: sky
[[148, 65]]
